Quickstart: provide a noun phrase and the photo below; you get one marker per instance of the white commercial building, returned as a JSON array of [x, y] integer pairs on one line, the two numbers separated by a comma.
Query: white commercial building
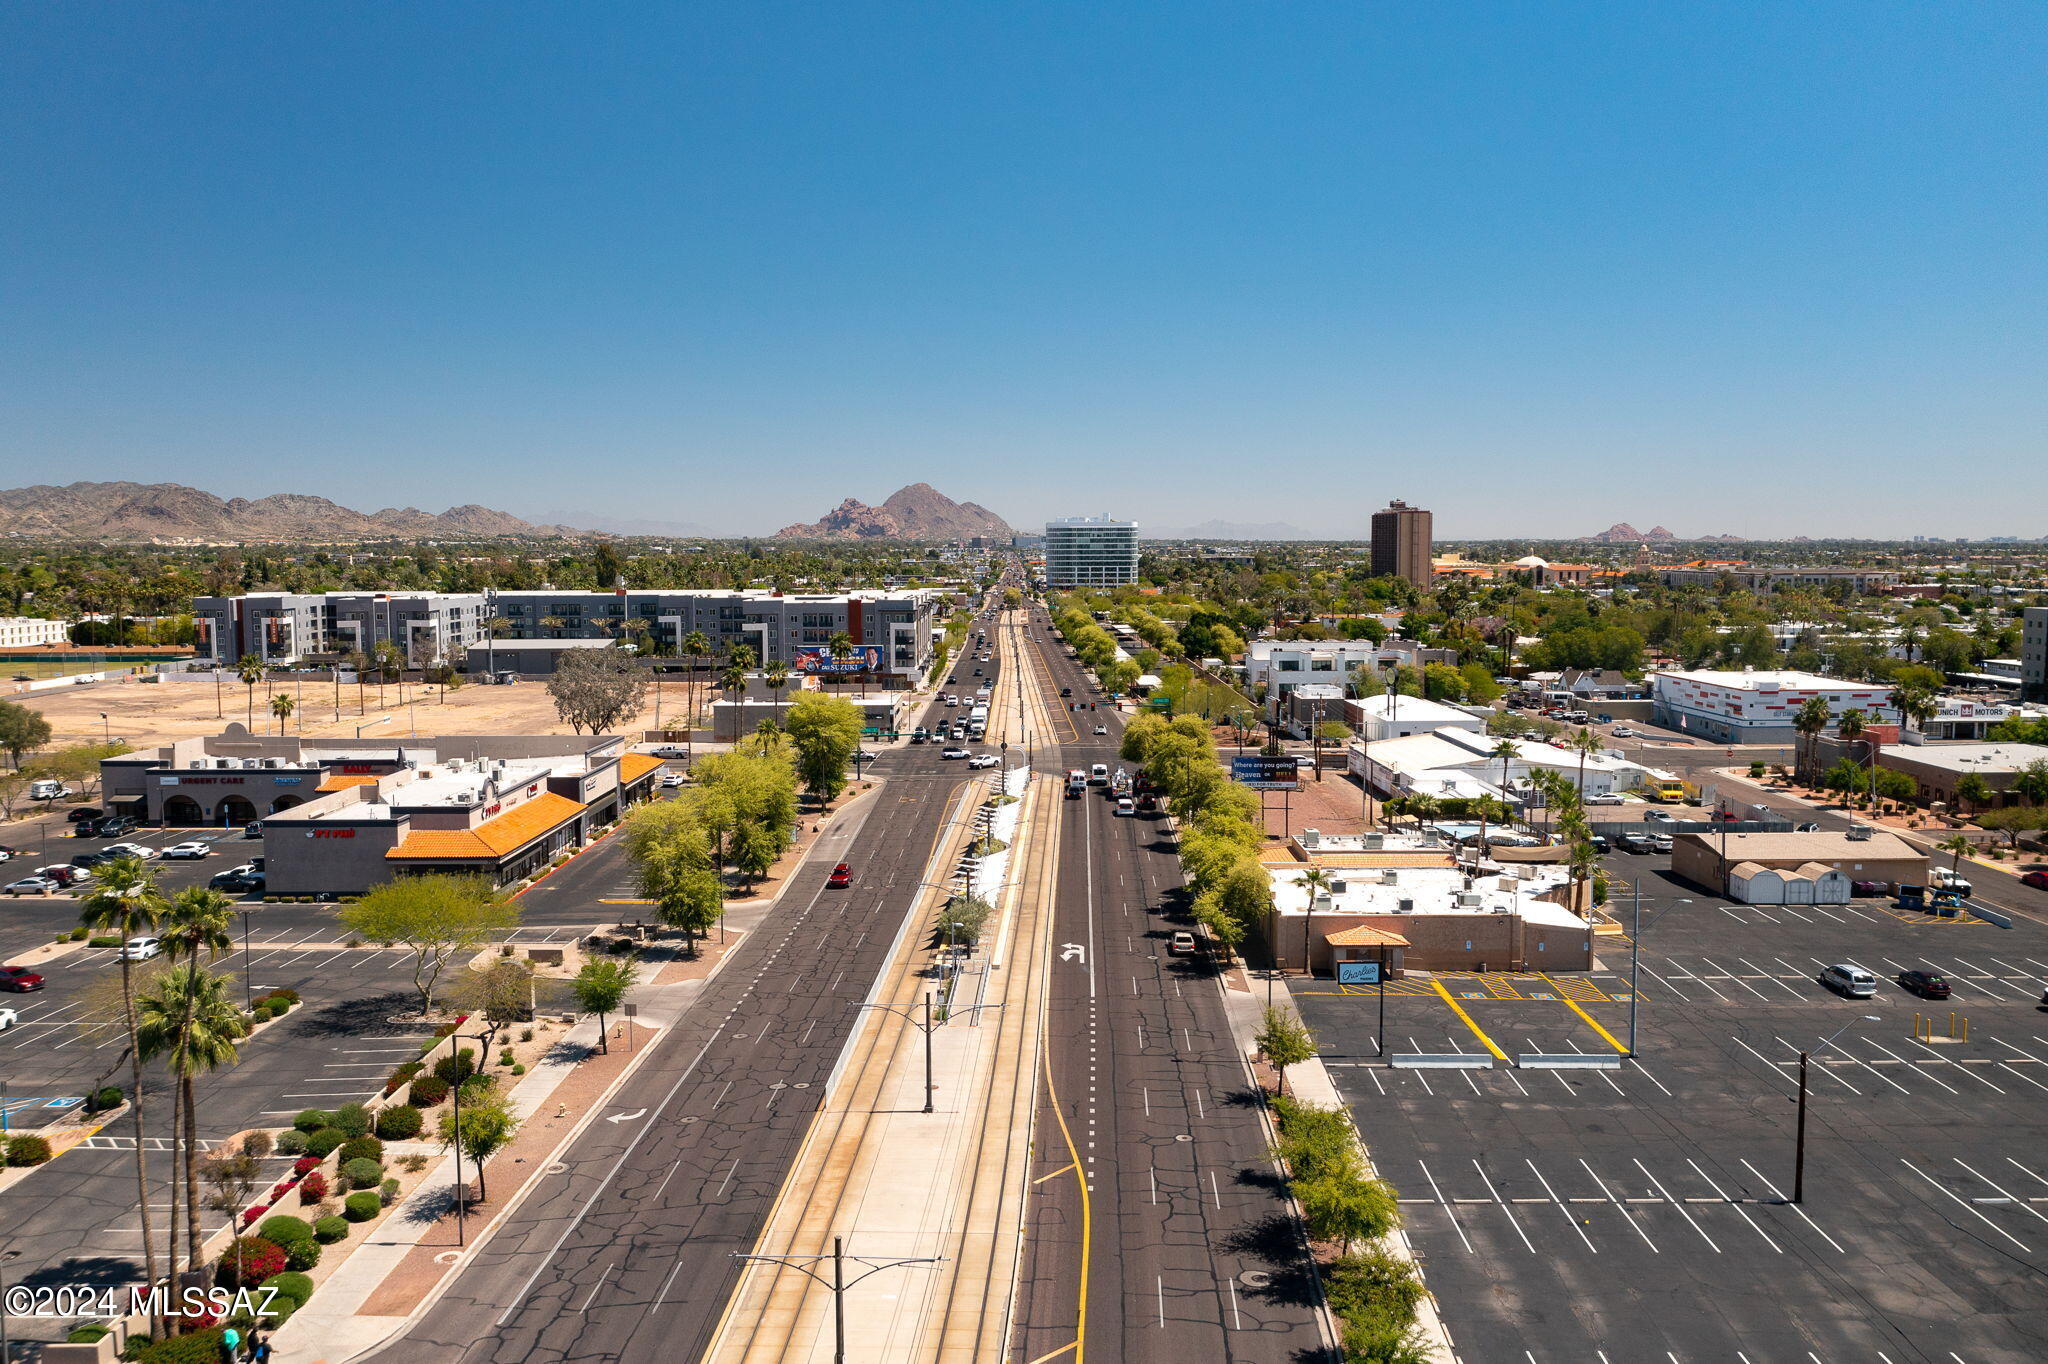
[[1390, 716], [1091, 551], [27, 632], [1459, 764], [1756, 706]]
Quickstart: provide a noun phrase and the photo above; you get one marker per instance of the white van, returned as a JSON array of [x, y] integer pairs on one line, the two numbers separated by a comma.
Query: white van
[[47, 789], [1098, 775], [1853, 981]]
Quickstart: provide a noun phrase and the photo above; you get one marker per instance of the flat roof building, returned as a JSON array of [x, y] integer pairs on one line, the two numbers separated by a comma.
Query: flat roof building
[[1756, 706], [2034, 653], [1729, 863], [1401, 540], [1091, 551]]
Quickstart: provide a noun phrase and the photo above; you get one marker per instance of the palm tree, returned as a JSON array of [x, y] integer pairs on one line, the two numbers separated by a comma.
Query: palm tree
[[842, 645], [1957, 847], [1810, 720], [1587, 743], [494, 627], [1487, 808], [1916, 706], [695, 645], [1507, 751], [1420, 808], [197, 919], [282, 705], [1316, 882], [1851, 727], [188, 1018], [125, 900], [777, 677], [250, 670]]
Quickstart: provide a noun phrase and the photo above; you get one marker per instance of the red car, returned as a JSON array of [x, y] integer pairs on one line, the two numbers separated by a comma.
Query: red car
[[2037, 879], [841, 877], [1926, 984], [19, 979]]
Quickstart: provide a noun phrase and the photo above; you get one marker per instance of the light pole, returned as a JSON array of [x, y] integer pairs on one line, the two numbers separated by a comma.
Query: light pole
[[1799, 1143], [370, 724], [483, 1041], [106, 730], [839, 1282], [925, 1026]]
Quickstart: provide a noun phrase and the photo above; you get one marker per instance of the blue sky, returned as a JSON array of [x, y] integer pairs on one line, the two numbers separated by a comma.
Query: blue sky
[[1760, 269]]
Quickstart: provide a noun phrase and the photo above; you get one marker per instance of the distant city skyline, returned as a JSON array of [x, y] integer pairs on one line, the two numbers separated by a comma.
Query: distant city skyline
[[1756, 269]]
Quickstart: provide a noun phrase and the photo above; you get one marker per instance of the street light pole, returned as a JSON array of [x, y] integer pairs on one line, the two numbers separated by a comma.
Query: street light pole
[[1799, 1140], [839, 1283], [925, 1026]]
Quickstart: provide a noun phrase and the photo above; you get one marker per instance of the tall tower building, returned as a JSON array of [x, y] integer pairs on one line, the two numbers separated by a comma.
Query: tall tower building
[[1091, 551], [1401, 539]]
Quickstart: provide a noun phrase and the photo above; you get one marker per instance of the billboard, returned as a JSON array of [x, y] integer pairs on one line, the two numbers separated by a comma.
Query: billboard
[[1358, 973], [813, 661], [1263, 772]]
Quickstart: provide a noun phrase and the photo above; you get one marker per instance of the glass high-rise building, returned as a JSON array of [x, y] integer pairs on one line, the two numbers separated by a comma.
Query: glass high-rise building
[[1091, 551]]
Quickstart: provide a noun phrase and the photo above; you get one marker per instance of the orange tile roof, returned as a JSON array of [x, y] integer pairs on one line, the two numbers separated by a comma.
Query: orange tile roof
[[634, 766], [493, 838], [1364, 935], [339, 783]]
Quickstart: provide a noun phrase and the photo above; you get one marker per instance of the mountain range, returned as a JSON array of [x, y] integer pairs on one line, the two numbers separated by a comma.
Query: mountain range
[[172, 512], [918, 512]]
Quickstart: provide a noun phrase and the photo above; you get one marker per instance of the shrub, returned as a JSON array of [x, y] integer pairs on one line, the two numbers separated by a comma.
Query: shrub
[[353, 1119], [313, 1188], [519, 1070], [387, 1192], [401, 1122], [106, 1097], [361, 1148], [78, 934], [362, 1173], [361, 1207], [291, 1143], [457, 1068], [302, 1254], [197, 1347], [286, 993], [504, 1056], [1376, 1294], [330, 1229], [305, 1165], [250, 1260], [86, 1334], [401, 1075], [27, 1150], [311, 1120], [429, 1090], [324, 1142], [477, 1088], [103, 941], [526, 1034], [285, 1229], [297, 1287], [1314, 1141]]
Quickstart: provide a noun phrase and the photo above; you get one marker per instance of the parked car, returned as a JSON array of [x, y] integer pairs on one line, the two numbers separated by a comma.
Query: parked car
[[1811, 826], [192, 848], [140, 949], [1852, 981], [671, 780], [19, 979], [65, 876], [84, 813], [1603, 798], [668, 751], [1598, 843], [134, 850], [1181, 945], [8, 1018], [254, 829], [1624, 732], [31, 885], [1926, 984], [2037, 879], [1659, 817], [1635, 842], [840, 877], [118, 827]]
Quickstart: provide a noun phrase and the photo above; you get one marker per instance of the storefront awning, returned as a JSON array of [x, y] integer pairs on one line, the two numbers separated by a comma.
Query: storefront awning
[[494, 838]]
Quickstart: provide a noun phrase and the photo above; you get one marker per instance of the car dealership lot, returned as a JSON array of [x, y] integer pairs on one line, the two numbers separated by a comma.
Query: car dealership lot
[[1642, 1213]]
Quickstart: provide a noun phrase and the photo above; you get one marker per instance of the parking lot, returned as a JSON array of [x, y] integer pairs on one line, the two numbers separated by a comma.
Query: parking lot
[[1643, 1213]]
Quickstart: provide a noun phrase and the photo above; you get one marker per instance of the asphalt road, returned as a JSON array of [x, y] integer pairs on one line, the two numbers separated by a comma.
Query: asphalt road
[[1190, 1252], [1640, 1213], [626, 1254]]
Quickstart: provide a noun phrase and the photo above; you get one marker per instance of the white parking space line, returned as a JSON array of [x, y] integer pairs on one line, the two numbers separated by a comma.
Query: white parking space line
[[1648, 1076], [1917, 1070], [1964, 1203], [1682, 1212], [1619, 1206], [1963, 1068], [1779, 1195], [1993, 977], [2021, 971], [1730, 975], [1772, 977], [1851, 909], [1502, 1202], [1689, 975], [1445, 1204], [1735, 1205], [1562, 1208], [1683, 998], [1601, 1073], [1773, 1066], [1820, 1066], [2018, 1202]]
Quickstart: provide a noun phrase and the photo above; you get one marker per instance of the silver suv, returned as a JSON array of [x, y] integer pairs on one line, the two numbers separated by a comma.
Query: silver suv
[[1853, 981]]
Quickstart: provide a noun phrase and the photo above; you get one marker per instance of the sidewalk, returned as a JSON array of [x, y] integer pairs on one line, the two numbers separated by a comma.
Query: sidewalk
[[1310, 1082]]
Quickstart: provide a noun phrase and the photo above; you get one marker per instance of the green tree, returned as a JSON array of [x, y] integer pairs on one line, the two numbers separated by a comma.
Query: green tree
[[1284, 1042], [282, 705], [963, 918], [825, 732], [2030, 784], [487, 1127], [1973, 792], [125, 900], [1316, 881], [437, 919], [22, 731], [188, 1018], [1809, 722], [1347, 1206], [250, 669], [600, 988]]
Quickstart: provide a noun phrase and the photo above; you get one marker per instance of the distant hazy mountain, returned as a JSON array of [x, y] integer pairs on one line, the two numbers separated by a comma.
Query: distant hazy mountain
[[623, 525], [1228, 530], [918, 512], [174, 512]]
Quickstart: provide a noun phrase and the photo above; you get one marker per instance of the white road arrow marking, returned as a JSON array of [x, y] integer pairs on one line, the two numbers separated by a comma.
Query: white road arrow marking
[[1072, 951], [627, 1117]]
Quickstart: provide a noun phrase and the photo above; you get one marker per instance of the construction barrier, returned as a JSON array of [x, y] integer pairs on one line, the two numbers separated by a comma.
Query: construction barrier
[[1441, 1060], [1568, 1060]]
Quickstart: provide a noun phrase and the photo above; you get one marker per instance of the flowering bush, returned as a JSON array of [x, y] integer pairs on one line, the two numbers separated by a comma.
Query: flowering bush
[[313, 1188], [253, 1213], [305, 1165], [249, 1261]]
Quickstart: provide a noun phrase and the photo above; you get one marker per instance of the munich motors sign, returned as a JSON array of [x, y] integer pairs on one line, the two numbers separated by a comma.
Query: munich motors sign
[[864, 659]]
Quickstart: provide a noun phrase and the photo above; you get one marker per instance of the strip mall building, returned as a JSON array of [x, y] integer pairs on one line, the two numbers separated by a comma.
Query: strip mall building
[[339, 816]]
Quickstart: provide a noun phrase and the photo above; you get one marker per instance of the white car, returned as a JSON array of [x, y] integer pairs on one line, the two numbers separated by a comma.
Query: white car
[[954, 753], [134, 850], [31, 885], [1126, 806], [671, 780], [983, 760], [8, 1018], [140, 949], [952, 700], [1623, 732], [1604, 798], [1102, 729], [193, 848]]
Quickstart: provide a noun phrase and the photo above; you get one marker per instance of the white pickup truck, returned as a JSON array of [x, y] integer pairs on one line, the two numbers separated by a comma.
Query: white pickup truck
[[1945, 878]]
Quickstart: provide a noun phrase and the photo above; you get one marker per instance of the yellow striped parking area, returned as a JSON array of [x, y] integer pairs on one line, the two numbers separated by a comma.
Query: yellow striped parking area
[[1534, 988]]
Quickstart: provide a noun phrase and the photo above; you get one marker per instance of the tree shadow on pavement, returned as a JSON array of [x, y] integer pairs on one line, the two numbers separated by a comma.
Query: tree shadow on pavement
[[93, 1271], [1275, 1241], [369, 1016]]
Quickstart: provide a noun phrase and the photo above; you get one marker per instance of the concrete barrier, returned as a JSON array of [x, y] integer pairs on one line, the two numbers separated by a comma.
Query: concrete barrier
[[1568, 1060], [1441, 1060], [1988, 914]]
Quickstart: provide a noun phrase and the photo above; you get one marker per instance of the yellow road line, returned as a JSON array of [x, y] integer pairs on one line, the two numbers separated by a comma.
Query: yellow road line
[[1087, 1217], [1459, 1010], [1052, 1174], [1573, 1005], [1055, 1354]]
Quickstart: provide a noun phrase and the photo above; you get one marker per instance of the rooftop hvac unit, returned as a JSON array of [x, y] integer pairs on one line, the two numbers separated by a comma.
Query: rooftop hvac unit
[[1860, 832], [1374, 842], [1404, 907], [273, 762], [1311, 838], [1390, 877], [1468, 899]]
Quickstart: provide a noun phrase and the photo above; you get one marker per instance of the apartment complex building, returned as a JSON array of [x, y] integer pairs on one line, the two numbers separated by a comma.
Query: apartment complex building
[[27, 632], [2034, 653], [891, 631], [1401, 538], [1858, 580], [1756, 706], [1091, 551]]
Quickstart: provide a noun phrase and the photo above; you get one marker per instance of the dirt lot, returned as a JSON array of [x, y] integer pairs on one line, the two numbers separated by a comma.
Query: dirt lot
[[149, 713]]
